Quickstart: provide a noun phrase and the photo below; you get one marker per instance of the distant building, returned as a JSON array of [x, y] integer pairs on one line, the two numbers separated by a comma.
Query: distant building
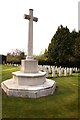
[[2, 59]]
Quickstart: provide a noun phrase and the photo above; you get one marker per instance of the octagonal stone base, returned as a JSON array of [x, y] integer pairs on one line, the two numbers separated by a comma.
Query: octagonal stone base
[[31, 79], [13, 89]]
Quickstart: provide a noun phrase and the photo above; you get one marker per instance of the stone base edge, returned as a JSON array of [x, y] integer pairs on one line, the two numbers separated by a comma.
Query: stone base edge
[[29, 93]]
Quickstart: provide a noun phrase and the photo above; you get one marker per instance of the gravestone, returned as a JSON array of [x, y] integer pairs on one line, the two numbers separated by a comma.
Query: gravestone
[[70, 71], [53, 71], [49, 69], [76, 69], [29, 81], [60, 72], [65, 72], [47, 72], [40, 67]]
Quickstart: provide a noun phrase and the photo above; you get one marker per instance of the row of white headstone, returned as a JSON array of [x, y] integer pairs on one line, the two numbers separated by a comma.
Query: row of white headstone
[[54, 70], [12, 64], [57, 71]]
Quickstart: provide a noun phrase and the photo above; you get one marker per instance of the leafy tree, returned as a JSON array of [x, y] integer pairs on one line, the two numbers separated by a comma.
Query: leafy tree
[[15, 56]]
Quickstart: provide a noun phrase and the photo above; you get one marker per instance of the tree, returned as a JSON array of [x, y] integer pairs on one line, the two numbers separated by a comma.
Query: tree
[[15, 56], [46, 53], [73, 36], [64, 49], [77, 50], [59, 49]]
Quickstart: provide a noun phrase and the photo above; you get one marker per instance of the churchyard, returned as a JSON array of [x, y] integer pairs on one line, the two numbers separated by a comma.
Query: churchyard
[[62, 104]]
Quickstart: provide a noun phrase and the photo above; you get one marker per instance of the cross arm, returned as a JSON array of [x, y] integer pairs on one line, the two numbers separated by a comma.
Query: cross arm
[[26, 16], [35, 19]]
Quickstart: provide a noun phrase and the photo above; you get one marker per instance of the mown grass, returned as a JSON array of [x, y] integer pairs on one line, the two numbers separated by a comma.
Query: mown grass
[[6, 71], [62, 104]]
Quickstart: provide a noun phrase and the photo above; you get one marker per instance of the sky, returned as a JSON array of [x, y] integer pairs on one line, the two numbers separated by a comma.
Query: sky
[[50, 14]]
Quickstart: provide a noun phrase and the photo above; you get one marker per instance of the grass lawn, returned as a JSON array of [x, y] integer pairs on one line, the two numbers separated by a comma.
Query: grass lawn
[[62, 104]]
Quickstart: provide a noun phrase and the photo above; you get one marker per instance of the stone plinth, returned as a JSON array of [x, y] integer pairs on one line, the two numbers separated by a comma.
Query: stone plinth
[[29, 66], [29, 78], [13, 89], [29, 82]]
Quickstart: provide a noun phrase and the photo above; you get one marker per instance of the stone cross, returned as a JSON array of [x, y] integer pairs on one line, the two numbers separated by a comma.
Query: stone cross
[[30, 33]]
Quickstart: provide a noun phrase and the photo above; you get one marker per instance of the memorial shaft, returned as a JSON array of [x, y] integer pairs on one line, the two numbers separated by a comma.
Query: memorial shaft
[[30, 32]]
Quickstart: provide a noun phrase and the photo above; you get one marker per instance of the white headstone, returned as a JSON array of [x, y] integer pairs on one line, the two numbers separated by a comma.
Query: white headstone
[[40, 67], [53, 71], [70, 71], [65, 72], [62, 69], [60, 72], [47, 72], [76, 69], [49, 69]]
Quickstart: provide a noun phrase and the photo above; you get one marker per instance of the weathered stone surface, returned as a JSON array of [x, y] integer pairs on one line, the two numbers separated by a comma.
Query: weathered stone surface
[[30, 33], [29, 78], [29, 66], [13, 89]]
